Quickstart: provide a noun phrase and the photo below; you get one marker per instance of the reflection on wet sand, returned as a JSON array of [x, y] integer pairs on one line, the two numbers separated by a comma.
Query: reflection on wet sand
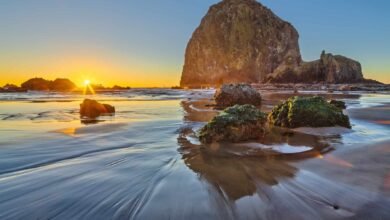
[[287, 174], [233, 176], [241, 169]]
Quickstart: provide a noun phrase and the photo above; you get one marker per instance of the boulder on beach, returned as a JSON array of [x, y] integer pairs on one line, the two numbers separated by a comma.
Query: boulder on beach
[[234, 124], [237, 94], [338, 104], [307, 112], [92, 109]]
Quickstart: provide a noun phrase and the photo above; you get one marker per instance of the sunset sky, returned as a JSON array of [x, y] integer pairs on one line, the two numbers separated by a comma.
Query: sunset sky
[[142, 42]]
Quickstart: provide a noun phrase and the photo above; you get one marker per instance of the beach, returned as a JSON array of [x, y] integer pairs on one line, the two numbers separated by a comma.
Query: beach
[[147, 163]]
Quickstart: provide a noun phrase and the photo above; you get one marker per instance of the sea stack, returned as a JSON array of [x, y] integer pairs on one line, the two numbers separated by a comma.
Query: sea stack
[[242, 41]]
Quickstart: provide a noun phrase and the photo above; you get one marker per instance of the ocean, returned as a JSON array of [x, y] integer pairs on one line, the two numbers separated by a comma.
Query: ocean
[[145, 162]]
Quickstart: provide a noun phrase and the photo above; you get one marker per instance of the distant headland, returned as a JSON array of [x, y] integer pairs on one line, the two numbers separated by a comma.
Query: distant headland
[[57, 85]]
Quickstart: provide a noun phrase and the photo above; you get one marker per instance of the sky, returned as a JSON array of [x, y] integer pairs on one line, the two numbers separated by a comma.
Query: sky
[[141, 43]]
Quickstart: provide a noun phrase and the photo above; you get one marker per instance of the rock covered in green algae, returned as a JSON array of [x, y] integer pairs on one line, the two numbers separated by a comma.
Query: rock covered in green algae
[[307, 112], [237, 94], [338, 104], [234, 124]]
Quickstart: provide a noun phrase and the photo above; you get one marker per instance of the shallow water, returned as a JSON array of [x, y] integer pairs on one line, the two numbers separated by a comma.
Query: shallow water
[[146, 163]]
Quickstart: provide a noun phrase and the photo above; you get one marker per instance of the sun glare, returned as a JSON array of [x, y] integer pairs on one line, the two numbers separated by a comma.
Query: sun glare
[[88, 87]]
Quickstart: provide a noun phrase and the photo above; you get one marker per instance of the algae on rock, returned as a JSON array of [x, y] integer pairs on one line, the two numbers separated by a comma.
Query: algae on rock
[[234, 124], [307, 112]]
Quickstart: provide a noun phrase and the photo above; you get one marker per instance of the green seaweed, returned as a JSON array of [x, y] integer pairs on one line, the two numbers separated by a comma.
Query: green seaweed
[[237, 123], [307, 112]]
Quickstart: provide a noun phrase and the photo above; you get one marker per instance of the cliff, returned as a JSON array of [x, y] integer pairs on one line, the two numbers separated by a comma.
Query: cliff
[[243, 41]]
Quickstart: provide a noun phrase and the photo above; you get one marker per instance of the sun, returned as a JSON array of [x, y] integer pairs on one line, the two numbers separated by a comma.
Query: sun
[[87, 82]]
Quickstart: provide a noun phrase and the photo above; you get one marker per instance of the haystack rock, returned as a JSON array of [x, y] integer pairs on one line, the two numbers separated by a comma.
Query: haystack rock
[[243, 41]]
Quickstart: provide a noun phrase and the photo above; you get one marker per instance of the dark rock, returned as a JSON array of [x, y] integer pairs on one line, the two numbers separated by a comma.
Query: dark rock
[[238, 41], [234, 124], [62, 85], [116, 87], [237, 94], [39, 84], [92, 109], [338, 104], [307, 112], [328, 69], [12, 88]]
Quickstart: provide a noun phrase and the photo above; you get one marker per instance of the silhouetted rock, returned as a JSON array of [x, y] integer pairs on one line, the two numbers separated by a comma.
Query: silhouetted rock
[[238, 41], [62, 85], [92, 109], [12, 88], [116, 87], [234, 124], [39, 84], [338, 104], [236, 94], [307, 112]]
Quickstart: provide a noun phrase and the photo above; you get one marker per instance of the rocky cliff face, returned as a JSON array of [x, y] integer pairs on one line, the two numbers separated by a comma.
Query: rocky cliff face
[[239, 41], [243, 41], [328, 69]]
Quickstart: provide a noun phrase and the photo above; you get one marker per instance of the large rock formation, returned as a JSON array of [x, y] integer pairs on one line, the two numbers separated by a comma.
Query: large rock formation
[[238, 41], [243, 41]]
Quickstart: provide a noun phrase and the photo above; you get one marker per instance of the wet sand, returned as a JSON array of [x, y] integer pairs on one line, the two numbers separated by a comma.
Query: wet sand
[[146, 162]]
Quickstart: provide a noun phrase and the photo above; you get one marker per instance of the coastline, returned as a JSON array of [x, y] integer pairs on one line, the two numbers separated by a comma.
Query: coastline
[[123, 166]]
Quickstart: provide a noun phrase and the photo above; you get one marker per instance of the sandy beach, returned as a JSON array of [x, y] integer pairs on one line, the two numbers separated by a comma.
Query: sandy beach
[[146, 162]]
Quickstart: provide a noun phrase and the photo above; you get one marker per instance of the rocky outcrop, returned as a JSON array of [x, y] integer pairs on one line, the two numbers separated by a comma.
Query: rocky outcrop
[[243, 41], [236, 94], [238, 41], [41, 84], [234, 124], [328, 69], [8, 88], [92, 109], [62, 85], [307, 112], [338, 104]]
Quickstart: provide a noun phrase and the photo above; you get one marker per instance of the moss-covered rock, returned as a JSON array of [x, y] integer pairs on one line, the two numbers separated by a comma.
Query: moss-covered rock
[[307, 112], [234, 124], [338, 104]]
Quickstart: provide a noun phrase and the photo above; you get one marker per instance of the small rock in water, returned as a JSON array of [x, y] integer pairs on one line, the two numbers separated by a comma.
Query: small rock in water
[[338, 104], [237, 94], [92, 108], [307, 112], [234, 124]]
